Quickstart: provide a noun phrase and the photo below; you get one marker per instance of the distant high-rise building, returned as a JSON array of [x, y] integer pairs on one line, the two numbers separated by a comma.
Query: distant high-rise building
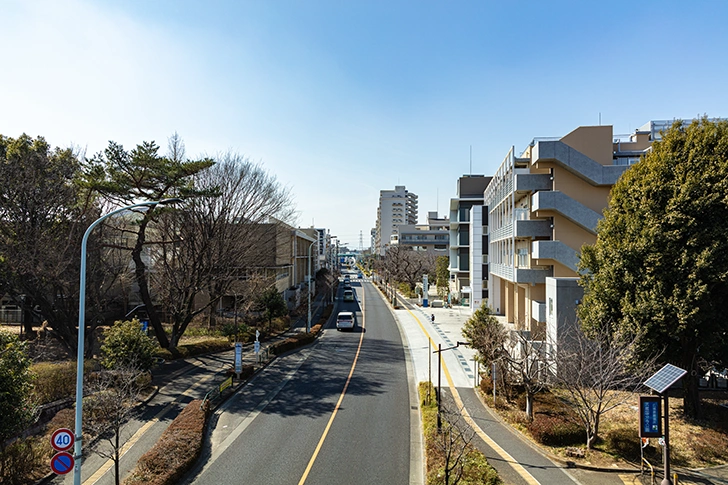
[[396, 207]]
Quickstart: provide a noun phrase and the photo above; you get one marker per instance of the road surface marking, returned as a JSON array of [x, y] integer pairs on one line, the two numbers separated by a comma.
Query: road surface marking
[[341, 397], [489, 441], [230, 439]]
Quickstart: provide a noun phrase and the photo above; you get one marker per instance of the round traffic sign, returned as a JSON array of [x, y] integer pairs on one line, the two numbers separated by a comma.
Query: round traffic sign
[[62, 463], [62, 439]]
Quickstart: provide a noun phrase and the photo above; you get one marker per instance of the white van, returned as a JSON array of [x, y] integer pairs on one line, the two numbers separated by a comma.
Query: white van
[[348, 295], [345, 321]]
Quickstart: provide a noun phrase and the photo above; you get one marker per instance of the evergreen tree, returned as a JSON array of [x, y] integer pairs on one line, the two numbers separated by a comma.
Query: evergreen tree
[[659, 268], [125, 177]]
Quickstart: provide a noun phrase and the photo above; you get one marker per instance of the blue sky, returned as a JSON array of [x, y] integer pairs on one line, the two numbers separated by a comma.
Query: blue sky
[[341, 99]]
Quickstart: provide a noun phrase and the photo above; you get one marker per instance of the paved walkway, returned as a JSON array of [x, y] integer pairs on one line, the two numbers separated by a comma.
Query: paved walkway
[[517, 459]]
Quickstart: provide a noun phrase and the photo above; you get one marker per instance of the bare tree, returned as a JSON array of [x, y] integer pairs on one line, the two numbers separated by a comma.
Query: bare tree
[[406, 265], [453, 442], [528, 362], [219, 240], [595, 374], [112, 399]]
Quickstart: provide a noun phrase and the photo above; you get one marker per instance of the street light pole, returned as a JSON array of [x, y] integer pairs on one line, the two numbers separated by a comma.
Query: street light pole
[[82, 331], [308, 288], [439, 374]]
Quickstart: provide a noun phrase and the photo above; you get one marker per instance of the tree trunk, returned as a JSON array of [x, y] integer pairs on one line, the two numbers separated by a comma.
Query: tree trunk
[[529, 406], [116, 457], [691, 382], [27, 318], [140, 274], [691, 396]]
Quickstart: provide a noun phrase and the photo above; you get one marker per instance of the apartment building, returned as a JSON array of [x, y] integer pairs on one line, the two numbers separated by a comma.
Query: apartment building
[[468, 242], [396, 207], [431, 237], [543, 206]]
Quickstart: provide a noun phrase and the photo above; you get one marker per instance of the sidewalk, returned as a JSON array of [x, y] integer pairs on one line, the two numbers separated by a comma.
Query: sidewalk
[[447, 327]]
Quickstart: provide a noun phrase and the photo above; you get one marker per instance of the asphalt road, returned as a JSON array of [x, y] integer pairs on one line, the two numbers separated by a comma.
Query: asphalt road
[[336, 412]]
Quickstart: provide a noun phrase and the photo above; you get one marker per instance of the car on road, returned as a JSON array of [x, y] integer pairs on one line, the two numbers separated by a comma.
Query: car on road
[[360, 275], [345, 321], [348, 295]]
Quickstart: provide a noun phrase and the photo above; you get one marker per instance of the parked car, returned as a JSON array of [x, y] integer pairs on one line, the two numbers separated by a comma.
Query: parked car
[[348, 295], [345, 321]]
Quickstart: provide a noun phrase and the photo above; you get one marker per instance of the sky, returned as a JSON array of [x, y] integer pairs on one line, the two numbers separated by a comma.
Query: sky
[[342, 99]]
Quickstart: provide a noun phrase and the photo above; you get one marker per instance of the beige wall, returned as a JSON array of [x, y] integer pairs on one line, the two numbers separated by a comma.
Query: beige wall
[[508, 303], [593, 141], [595, 198], [571, 234]]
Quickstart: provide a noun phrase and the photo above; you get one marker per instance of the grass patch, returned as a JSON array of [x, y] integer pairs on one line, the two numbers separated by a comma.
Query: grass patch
[[442, 448]]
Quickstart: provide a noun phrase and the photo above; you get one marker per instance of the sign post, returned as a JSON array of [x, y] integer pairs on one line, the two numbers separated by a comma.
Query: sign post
[[238, 358], [660, 382], [650, 417], [425, 292]]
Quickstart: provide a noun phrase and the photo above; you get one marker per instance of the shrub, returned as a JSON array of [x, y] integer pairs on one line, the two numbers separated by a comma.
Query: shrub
[[556, 431], [176, 451], [230, 330], [126, 345], [297, 340], [623, 442], [54, 381], [16, 385], [23, 461], [198, 348]]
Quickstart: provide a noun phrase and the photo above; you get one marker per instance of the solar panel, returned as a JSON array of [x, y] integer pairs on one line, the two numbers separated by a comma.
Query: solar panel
[[664, 378]]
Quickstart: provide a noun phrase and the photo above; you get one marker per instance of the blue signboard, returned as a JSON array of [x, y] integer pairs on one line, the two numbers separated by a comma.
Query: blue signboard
[[650, 417], [145, 325]]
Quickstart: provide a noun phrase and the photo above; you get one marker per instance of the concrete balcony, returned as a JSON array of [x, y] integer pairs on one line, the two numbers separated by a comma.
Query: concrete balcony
[[573, 210], [533, 181], [556, 251], [521, 275], [533, 229], [576, 162]]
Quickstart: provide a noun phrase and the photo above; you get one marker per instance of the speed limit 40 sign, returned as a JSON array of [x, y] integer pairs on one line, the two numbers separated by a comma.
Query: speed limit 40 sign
[[62, 439]]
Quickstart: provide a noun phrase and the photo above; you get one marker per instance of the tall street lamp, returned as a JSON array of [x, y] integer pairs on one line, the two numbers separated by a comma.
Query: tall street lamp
[[82, 330], [308, 288]]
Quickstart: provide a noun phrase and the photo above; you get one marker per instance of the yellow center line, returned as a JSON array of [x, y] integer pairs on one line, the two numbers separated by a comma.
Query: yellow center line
[[341, 397], [140, 432], [458, 401]]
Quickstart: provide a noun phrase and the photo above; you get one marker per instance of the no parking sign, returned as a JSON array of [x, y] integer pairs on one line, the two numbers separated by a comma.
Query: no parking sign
[[62, 463]]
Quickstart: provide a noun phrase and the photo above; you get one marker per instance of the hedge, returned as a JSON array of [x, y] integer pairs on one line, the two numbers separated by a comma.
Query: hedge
[[198, 348], [556, 431], [176, 451]]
